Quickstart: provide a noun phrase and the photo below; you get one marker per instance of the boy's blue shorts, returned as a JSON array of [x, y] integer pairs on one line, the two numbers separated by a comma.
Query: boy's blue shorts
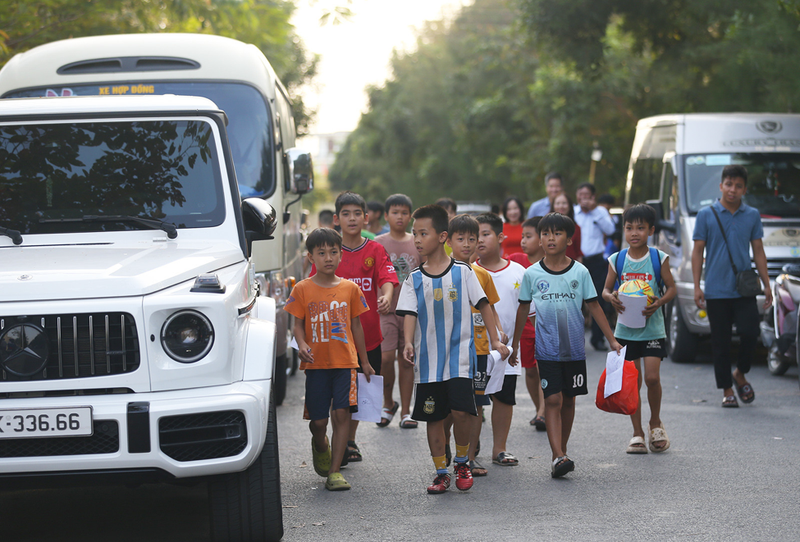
[[330, 389]]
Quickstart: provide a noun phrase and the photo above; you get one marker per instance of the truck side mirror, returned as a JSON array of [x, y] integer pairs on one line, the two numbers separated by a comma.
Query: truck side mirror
[[300, 171], [260, 220], [658, 207]]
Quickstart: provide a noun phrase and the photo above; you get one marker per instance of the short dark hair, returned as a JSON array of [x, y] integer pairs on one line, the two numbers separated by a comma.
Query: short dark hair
[[447, 204], [325, 215], [493, 220], [590, 186], [532, 222], [606, 199], [570, 204], [349, 198], [556, 222], [400, 200], [735, 171], [554, 175], [519, 204], [437, 214], [375, 207], [641, 212], [323, 237], [463, 223]]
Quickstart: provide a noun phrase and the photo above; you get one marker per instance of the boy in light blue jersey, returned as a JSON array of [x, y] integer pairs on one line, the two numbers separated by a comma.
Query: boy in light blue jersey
[[558, 286], [648, 342]]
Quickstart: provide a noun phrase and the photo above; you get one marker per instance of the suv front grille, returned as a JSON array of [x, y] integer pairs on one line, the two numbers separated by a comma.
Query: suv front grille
[[78, 346], [104, 440]]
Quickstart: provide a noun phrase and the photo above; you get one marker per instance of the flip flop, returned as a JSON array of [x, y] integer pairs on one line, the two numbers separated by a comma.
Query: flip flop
[[353, 454], [658, 434], [407, 422], [636, 446], [477, 469], [539, 424], [387, 414], [561, 466], [746, 393], [505, 459], [730, 402]]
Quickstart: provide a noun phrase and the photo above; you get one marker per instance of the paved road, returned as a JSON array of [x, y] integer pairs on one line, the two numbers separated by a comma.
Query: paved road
[[730, 474]]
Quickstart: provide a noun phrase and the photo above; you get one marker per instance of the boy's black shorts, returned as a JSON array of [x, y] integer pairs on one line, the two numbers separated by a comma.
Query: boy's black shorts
[[657, 348], [374, 358], [507, 394], [435, 400], [567, 377], [330, 389], [481, 379]]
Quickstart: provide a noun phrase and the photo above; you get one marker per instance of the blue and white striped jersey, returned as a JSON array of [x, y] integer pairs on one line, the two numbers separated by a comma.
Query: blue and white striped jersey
[[443, 339]]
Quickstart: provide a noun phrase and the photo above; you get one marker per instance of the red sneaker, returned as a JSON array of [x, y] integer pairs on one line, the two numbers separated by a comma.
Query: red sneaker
[[463, 476], [440, 484]]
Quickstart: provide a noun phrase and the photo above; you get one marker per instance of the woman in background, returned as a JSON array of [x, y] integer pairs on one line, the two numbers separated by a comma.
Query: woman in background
[[513, 216]]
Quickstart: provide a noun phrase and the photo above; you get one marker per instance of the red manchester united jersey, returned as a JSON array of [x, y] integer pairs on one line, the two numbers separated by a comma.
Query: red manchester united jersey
[[370, 268]]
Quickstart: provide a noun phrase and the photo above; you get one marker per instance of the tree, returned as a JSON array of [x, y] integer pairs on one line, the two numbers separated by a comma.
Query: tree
[[265, 23]]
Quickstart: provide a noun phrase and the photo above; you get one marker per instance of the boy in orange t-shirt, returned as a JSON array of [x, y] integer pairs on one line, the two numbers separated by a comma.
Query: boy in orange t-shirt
[[330, 341]]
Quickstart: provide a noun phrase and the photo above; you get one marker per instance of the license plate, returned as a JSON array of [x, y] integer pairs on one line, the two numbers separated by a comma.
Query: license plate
[[46, 422]]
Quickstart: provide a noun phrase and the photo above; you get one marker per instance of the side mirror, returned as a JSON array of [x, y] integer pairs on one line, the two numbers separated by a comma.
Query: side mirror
[[666, 225], [301, 171], [260, 219], [658, 207]]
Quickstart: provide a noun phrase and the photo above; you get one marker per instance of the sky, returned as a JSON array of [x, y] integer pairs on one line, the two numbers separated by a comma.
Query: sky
[[357, 53]]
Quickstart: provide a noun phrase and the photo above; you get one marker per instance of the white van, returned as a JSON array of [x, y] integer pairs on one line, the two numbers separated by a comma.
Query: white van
[[676, 165], [235, 76]]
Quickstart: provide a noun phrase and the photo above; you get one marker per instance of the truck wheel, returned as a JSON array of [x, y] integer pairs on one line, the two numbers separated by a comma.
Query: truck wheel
[[295, 363], [681, 343], [246, 506], [279, 386]]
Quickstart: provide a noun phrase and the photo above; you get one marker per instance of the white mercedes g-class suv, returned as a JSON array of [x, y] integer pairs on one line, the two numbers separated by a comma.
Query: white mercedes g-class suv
[[133, 342]]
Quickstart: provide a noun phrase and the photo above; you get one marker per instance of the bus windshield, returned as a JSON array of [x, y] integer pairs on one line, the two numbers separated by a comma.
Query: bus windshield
[[248, 128], [773, 181], [69, 177]]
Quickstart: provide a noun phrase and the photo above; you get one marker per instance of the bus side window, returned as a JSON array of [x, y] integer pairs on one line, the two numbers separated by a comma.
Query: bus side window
[[646, 180]]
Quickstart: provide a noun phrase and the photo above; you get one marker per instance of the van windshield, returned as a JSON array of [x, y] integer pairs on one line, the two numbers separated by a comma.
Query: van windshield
[[248, 128], [58, 177], [773, 181]]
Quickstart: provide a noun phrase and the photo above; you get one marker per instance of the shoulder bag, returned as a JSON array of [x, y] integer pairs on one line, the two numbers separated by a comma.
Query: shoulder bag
[[747, 282]]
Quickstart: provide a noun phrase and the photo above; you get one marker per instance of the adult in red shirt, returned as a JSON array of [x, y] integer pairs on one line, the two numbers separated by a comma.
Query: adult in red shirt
[[563, 204], [513, 215]]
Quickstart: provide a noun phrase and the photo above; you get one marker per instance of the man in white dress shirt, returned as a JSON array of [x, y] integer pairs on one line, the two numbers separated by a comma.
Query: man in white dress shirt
[[595, 223], [554, 185]]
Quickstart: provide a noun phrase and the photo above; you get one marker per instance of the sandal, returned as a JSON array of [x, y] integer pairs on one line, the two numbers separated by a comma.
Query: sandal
[[561, 466], [505, 459], [407, 422], [353, 454], [538, 423], [387, 414], [730, 402], [637, 446], [658, 434], [746, 393], [477, 469]]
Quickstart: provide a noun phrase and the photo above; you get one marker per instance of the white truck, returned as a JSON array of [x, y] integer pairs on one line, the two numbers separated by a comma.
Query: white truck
[[235, 76], [676, 165], [133, 343]]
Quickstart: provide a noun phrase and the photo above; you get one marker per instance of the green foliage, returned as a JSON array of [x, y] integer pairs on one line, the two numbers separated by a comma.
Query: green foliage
[[265, 23], [513, 89]]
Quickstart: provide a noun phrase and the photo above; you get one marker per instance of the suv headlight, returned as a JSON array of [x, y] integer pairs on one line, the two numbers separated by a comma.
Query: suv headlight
[[187, 336]]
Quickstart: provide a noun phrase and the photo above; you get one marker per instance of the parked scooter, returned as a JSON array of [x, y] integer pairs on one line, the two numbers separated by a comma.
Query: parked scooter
[[779, 329]]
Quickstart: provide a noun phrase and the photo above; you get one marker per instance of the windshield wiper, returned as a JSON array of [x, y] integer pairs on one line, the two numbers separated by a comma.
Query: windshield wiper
[[15, 235], [152, 223]]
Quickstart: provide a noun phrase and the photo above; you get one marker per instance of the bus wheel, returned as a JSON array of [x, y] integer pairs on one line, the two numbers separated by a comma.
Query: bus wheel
[[681, 343]]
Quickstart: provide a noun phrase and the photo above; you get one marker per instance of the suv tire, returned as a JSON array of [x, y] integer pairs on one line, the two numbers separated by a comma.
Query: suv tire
[[681, 343], [246, 506]]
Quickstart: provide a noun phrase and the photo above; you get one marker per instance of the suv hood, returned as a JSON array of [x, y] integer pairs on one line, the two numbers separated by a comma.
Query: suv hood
[[31, 273]]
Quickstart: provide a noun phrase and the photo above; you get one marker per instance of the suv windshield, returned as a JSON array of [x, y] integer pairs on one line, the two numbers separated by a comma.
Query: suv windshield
[[248, 128], [166, 170], [773, 181]]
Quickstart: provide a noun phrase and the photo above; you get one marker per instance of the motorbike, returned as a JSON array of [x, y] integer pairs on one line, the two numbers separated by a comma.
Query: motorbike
[[779, 328]]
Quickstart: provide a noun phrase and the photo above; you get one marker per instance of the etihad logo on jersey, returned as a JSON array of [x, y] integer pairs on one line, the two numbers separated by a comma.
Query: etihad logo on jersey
[[558, 296], [364, 283]]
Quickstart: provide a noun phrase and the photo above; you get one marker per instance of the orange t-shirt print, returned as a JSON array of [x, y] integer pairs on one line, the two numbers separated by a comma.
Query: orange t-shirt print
[[327, 313]]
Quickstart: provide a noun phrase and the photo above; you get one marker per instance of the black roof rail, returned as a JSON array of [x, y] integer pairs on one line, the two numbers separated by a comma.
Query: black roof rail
[[128, 64]]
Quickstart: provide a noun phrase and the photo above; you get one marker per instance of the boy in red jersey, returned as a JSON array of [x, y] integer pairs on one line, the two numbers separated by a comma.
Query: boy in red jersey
[[366, 263]]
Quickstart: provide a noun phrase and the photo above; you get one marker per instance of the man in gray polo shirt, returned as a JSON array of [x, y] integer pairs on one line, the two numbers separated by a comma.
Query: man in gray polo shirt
[[742, 230]]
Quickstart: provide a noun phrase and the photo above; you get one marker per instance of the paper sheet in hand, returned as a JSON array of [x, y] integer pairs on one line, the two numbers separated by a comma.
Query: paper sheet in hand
[[293, 344], [614, 364], [370, 399], [497, 371], [632, 315]]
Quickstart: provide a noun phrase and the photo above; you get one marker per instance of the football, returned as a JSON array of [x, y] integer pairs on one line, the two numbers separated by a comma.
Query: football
[[637, 287]]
